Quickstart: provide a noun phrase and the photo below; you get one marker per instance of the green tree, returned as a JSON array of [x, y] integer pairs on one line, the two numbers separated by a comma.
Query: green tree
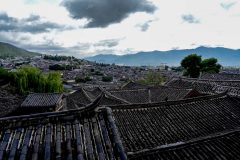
[[56, 67], [54, 83], [210, 65], [107, 78], [192, 65], [33, 74], [153, 78], [20, 81], [41, 87], [82, 80], [4, 75], [29, 79]]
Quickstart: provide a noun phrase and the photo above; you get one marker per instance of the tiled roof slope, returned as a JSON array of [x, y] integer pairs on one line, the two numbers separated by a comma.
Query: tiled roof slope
[[133, 96], [153, 94], [108, 99], [207, 86], [8, 101], [42, 100], [221, 76], [77, 134], [133, 85], [219, 147], [158, 94], [93, 93], [146, 126], [201, 86], [80, 97], [84, 97]]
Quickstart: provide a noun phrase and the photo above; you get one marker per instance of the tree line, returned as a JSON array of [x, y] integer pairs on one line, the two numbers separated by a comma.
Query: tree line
[[30, 79], [59, 58]]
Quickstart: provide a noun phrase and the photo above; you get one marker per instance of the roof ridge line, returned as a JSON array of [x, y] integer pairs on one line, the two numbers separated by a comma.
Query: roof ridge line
[[116, 134], [125, 90], [211, 80], [110, 95], [182, 101], [84, 92], [180, 144], [88, 108]]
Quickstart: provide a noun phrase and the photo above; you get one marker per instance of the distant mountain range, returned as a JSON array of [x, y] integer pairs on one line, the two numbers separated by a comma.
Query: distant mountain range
[[8, 50], [225, 56]]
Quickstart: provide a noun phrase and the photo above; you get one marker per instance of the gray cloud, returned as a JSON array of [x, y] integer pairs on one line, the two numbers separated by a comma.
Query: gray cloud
[[108, 43], [102, 13], [48, 46], [32, 24], [145, 26], [227, 6], [41, 27], [55, 48], [32, 18], [189, 18], [5, 18]]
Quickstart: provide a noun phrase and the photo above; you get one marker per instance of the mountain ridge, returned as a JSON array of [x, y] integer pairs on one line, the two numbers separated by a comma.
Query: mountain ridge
[[226, 57], [9, 50]]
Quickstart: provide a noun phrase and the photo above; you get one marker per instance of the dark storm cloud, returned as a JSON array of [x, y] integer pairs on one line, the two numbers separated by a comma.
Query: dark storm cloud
[[102, 13], [108, 43], [32, 24], [190, 18]]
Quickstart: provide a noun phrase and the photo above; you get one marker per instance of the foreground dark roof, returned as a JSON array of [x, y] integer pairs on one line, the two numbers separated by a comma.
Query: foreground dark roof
[[76, 134], [42, 100], [199, 128], [147, 126], [221, 147]]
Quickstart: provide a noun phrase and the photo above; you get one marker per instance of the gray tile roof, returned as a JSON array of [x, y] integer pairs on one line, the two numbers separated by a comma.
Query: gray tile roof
[[133, 85], [147, 126], [42, 100], [153, 94], [9, 102], [195, 128], [77, 134], [220, 76], [232, 87], [222, 147]]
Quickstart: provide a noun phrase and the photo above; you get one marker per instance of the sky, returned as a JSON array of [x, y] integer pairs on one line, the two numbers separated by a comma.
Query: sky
[[85, 28]]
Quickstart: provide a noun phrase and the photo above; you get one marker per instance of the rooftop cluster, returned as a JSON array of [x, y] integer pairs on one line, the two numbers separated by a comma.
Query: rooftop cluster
[[184, 119]]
